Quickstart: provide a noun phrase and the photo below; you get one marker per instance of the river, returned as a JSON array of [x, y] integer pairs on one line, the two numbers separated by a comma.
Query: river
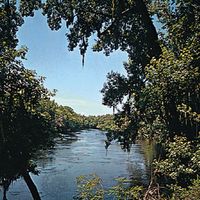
[[81, 153]]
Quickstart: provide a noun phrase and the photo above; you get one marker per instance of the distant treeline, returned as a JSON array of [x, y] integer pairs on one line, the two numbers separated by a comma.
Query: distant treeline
[[64, 119]]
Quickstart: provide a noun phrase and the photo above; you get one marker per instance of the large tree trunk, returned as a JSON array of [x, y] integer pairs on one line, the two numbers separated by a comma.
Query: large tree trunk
[[4, 194], [32, 187], [153, 42], [5, 184], [2, 136]]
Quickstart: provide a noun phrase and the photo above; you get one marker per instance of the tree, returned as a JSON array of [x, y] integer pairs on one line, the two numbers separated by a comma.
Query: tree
[[162, 81], [114, 90], [127, 25], [120, 24], [10, 21], [23, 128], [29, 120], [177, 79], [117, 24]]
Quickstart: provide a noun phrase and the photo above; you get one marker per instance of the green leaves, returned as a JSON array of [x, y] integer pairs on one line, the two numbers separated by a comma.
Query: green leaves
[[173, 80], [23, 128], [90, 188], [182, 163], [114, 90], [27, 8]]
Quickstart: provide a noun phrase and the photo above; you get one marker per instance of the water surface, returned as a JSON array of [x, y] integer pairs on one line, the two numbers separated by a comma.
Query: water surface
[[82, 153]]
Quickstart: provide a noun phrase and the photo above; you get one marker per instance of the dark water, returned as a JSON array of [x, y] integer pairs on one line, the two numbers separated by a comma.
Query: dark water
[[82, 154]]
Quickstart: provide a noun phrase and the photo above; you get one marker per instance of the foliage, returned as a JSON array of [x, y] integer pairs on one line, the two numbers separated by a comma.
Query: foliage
[[67, 120], [159, 95], [24, 129], [156, 90], [90, 187], [163, 96], [172, 83], [123, 190], [102, 122], [116, 24], [192, 192], [114, 90], [106, 123], [182, 162], [10, 21]]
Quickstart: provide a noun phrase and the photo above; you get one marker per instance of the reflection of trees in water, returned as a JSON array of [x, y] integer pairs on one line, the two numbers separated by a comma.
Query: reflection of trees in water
[[12, 168], [44, 157], [23, 137], [24, 128], [134, 172], [5, 185], [149, 152], [139, 171], [19, 165]]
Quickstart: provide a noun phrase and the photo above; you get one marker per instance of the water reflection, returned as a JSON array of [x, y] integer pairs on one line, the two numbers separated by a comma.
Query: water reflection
[[81, 154]]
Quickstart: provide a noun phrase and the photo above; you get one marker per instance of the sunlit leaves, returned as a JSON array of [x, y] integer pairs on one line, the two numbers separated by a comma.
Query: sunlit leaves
[[182, 162], [10, 20], [27, 8], [91, 187], [172, 80]]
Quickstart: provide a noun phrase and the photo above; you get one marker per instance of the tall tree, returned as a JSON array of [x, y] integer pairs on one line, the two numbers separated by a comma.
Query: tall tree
[[23, 128], [125, 25], [161, 88]]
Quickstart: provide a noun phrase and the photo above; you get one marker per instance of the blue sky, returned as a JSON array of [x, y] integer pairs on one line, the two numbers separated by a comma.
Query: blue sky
[[78, 87]]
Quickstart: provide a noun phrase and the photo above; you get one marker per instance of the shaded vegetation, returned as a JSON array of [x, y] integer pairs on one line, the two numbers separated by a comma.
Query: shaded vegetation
[[91, 187], [159, 94]]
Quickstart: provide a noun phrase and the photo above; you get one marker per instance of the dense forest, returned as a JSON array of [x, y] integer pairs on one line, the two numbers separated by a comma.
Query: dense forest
[[158, 98]]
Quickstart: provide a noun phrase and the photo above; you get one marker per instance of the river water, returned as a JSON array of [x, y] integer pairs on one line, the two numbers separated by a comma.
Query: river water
[[81, 153]]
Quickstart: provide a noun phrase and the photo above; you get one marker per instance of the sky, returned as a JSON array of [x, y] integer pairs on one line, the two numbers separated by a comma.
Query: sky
[[78, 86]]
